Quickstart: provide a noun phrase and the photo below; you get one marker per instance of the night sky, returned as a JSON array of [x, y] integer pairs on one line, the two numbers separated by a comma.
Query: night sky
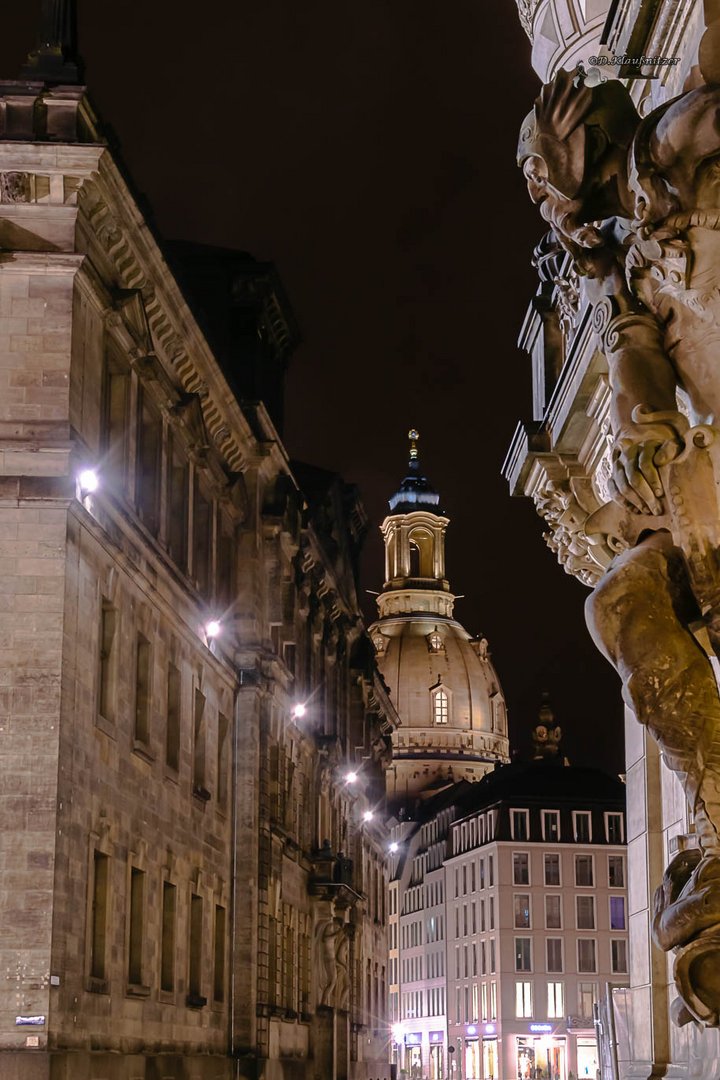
[[368, 151]]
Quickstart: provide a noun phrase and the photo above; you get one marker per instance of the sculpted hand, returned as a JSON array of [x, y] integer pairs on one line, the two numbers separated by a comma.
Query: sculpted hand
[[635, 482]]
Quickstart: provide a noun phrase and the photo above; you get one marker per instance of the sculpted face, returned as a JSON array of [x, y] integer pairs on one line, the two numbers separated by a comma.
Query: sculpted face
[[565, 215]]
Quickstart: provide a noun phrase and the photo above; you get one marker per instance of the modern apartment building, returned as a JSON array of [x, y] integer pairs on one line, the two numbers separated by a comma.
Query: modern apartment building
[[512, 924], [535, 881]]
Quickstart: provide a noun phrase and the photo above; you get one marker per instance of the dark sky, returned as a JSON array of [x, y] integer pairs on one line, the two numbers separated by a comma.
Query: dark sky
[[368, 150]]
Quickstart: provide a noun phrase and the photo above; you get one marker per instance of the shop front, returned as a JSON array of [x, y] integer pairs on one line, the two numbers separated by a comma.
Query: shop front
[[413, 1056], [490, 1058], [437, 1055], [541, 1055], [588, 1067], [472, 1058]]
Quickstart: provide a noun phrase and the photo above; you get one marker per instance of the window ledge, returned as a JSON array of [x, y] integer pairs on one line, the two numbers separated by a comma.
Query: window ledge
[[136, 990], [97, 986], [201, 793], [106, 726], [195, 1001], [143, 750], [167, 997]]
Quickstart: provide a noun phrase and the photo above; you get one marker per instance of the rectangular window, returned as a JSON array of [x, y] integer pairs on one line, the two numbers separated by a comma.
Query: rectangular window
[[587, 996], [167, 948], [522, 954], [222, 761], [586, 954], [552, 869], [482, 873], [142, 690], [523, 1000], [556, 1001], [98, 916], [492, 956], [202, 540], [195, 952], [519, 825], [491, 912], [491, 871], [582, 826], [521, 868], [617, 913], [136, 927], [583, 870], [616, 871], [554, 953], [172, 730], [493, 1001], [108, 629], [219, 964], [614, 829], [551, 825], [177, 504], [199, 746], [147, 470], [117, 411], [522, 911], [618, 951], [553, 913], [585, 908]]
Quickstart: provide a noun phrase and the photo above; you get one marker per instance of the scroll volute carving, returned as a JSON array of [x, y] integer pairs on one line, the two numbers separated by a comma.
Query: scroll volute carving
[[636, 203]]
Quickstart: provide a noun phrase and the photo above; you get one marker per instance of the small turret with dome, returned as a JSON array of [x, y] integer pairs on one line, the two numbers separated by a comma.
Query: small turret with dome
[[443, 684]]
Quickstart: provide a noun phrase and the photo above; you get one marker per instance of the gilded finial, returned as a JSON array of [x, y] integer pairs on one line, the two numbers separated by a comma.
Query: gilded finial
[[413, 436]]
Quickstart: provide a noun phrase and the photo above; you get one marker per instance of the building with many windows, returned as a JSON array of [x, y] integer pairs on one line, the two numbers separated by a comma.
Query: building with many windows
[[512, 924], [536, 916], [190, 885]]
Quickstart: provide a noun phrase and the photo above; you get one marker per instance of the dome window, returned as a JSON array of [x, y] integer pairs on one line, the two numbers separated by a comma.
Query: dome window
[[440, 705], [435, 642]]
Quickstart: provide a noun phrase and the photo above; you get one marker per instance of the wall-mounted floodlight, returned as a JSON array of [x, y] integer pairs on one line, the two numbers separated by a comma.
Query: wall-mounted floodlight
[[368, 815], [299, 710], [212, 629], [88, 481]]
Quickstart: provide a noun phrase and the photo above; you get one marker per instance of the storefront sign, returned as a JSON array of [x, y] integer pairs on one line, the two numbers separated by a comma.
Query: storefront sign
[[437, 1036], [541, 1029], [413, 1038], [580, 1023], [29, 1021]]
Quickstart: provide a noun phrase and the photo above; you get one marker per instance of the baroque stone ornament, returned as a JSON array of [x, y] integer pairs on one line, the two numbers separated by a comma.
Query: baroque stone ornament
[[636, 203]]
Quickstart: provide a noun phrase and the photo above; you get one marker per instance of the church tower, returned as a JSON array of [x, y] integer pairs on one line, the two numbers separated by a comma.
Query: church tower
[[441, 680]]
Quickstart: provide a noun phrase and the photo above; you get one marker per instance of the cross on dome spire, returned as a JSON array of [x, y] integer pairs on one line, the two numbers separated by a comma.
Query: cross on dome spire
[[413, 436]]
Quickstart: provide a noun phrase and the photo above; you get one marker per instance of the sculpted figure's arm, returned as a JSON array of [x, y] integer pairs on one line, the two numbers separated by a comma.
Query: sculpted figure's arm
[[643, 409]]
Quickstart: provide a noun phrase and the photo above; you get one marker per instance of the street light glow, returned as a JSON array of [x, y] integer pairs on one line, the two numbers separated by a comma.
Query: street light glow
[[299, 710], [368, 815], [212, 629], [394, 847], [351, 777], [88, 481]]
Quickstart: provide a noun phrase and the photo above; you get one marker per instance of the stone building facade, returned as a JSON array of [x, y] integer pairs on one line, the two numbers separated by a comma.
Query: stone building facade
[[566, 456], [190, 887]]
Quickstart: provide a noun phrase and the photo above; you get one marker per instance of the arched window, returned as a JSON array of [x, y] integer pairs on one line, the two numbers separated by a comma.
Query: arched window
[[435, 642], [440, 706]]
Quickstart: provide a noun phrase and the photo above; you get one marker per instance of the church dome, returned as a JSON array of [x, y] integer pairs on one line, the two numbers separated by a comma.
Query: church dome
[[441, 681]]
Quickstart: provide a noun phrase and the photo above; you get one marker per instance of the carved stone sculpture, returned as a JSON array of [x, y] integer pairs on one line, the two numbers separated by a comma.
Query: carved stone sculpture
[[331, 951], [637, 205]]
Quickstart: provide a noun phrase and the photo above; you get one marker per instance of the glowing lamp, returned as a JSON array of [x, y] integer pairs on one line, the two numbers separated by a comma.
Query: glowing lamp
[[88, 481], [212, 629], [394, 847], [368, 815], [351, 777], [299, 711]]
